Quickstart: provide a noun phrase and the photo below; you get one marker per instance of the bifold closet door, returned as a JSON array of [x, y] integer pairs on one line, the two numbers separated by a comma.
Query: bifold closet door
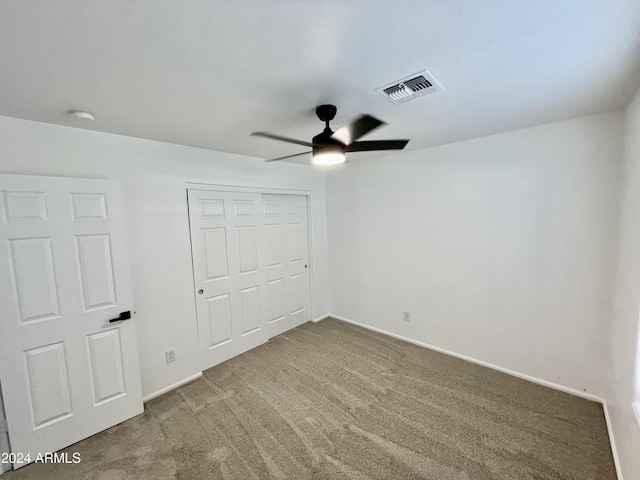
[[68, 350], [227, 238], [286, 232]]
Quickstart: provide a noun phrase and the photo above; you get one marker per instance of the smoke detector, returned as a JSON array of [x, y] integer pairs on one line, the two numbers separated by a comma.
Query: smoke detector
[[82, 116], [410, 87]]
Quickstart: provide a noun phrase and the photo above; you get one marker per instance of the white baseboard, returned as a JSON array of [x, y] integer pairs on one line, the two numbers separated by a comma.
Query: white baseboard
[[614, 450], [539, 381], [524, 376], [546, 383], [162, 391]]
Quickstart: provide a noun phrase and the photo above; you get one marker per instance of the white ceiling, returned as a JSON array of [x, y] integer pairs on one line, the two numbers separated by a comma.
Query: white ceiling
[[208, 73]]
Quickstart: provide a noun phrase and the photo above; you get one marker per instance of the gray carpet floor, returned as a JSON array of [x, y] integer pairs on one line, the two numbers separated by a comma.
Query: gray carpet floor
[[331, 400]]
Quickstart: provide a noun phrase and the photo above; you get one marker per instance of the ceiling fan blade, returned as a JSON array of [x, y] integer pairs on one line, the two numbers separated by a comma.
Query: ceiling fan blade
[[377, 145], [281, 138], [288, 156], [356, 129]]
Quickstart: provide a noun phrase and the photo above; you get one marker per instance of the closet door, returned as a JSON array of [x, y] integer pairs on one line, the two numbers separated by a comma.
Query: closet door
[[227, 241], [286, 233]]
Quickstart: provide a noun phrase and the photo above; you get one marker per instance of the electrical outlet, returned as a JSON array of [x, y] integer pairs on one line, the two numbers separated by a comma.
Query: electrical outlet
[[406, 317], [170, 355]]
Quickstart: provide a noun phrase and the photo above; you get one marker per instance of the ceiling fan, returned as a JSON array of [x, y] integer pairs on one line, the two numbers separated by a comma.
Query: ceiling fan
[[329, 147]]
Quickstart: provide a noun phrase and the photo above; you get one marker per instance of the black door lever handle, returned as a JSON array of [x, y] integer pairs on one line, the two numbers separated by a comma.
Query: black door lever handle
[[123, 316]]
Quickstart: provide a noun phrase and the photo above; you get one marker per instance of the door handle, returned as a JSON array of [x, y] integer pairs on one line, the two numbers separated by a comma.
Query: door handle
[[123, 316]]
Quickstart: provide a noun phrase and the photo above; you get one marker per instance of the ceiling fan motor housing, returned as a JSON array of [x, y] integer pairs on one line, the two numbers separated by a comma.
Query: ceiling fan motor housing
[[323, 144]]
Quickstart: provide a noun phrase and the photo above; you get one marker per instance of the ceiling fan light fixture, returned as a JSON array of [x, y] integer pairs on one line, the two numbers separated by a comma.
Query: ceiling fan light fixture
[[328, 155], [326, 159]]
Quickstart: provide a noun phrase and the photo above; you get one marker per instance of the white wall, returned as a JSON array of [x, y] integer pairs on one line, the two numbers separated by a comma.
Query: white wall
[[624, 379], [154, 176], [501, 247]]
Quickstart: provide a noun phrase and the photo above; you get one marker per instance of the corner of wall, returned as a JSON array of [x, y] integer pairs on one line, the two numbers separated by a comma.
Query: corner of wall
[[624, 326]]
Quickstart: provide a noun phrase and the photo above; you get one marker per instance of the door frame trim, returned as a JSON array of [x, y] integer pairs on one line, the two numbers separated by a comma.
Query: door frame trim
[[246, 189]]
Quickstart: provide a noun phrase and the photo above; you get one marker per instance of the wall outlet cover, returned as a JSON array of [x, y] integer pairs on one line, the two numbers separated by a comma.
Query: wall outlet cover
[[170, 355]]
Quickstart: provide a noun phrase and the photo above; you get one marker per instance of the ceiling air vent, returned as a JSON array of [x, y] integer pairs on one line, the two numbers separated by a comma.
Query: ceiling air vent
[[413, 86]]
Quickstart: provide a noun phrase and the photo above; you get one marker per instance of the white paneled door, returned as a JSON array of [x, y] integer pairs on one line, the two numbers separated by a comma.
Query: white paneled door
[[67, 371], [287, 261], [227, 238], [251, 268]]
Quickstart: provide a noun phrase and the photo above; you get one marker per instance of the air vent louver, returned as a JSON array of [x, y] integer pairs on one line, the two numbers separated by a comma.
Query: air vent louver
[[418, 83], [397, 92], [413, 86]]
